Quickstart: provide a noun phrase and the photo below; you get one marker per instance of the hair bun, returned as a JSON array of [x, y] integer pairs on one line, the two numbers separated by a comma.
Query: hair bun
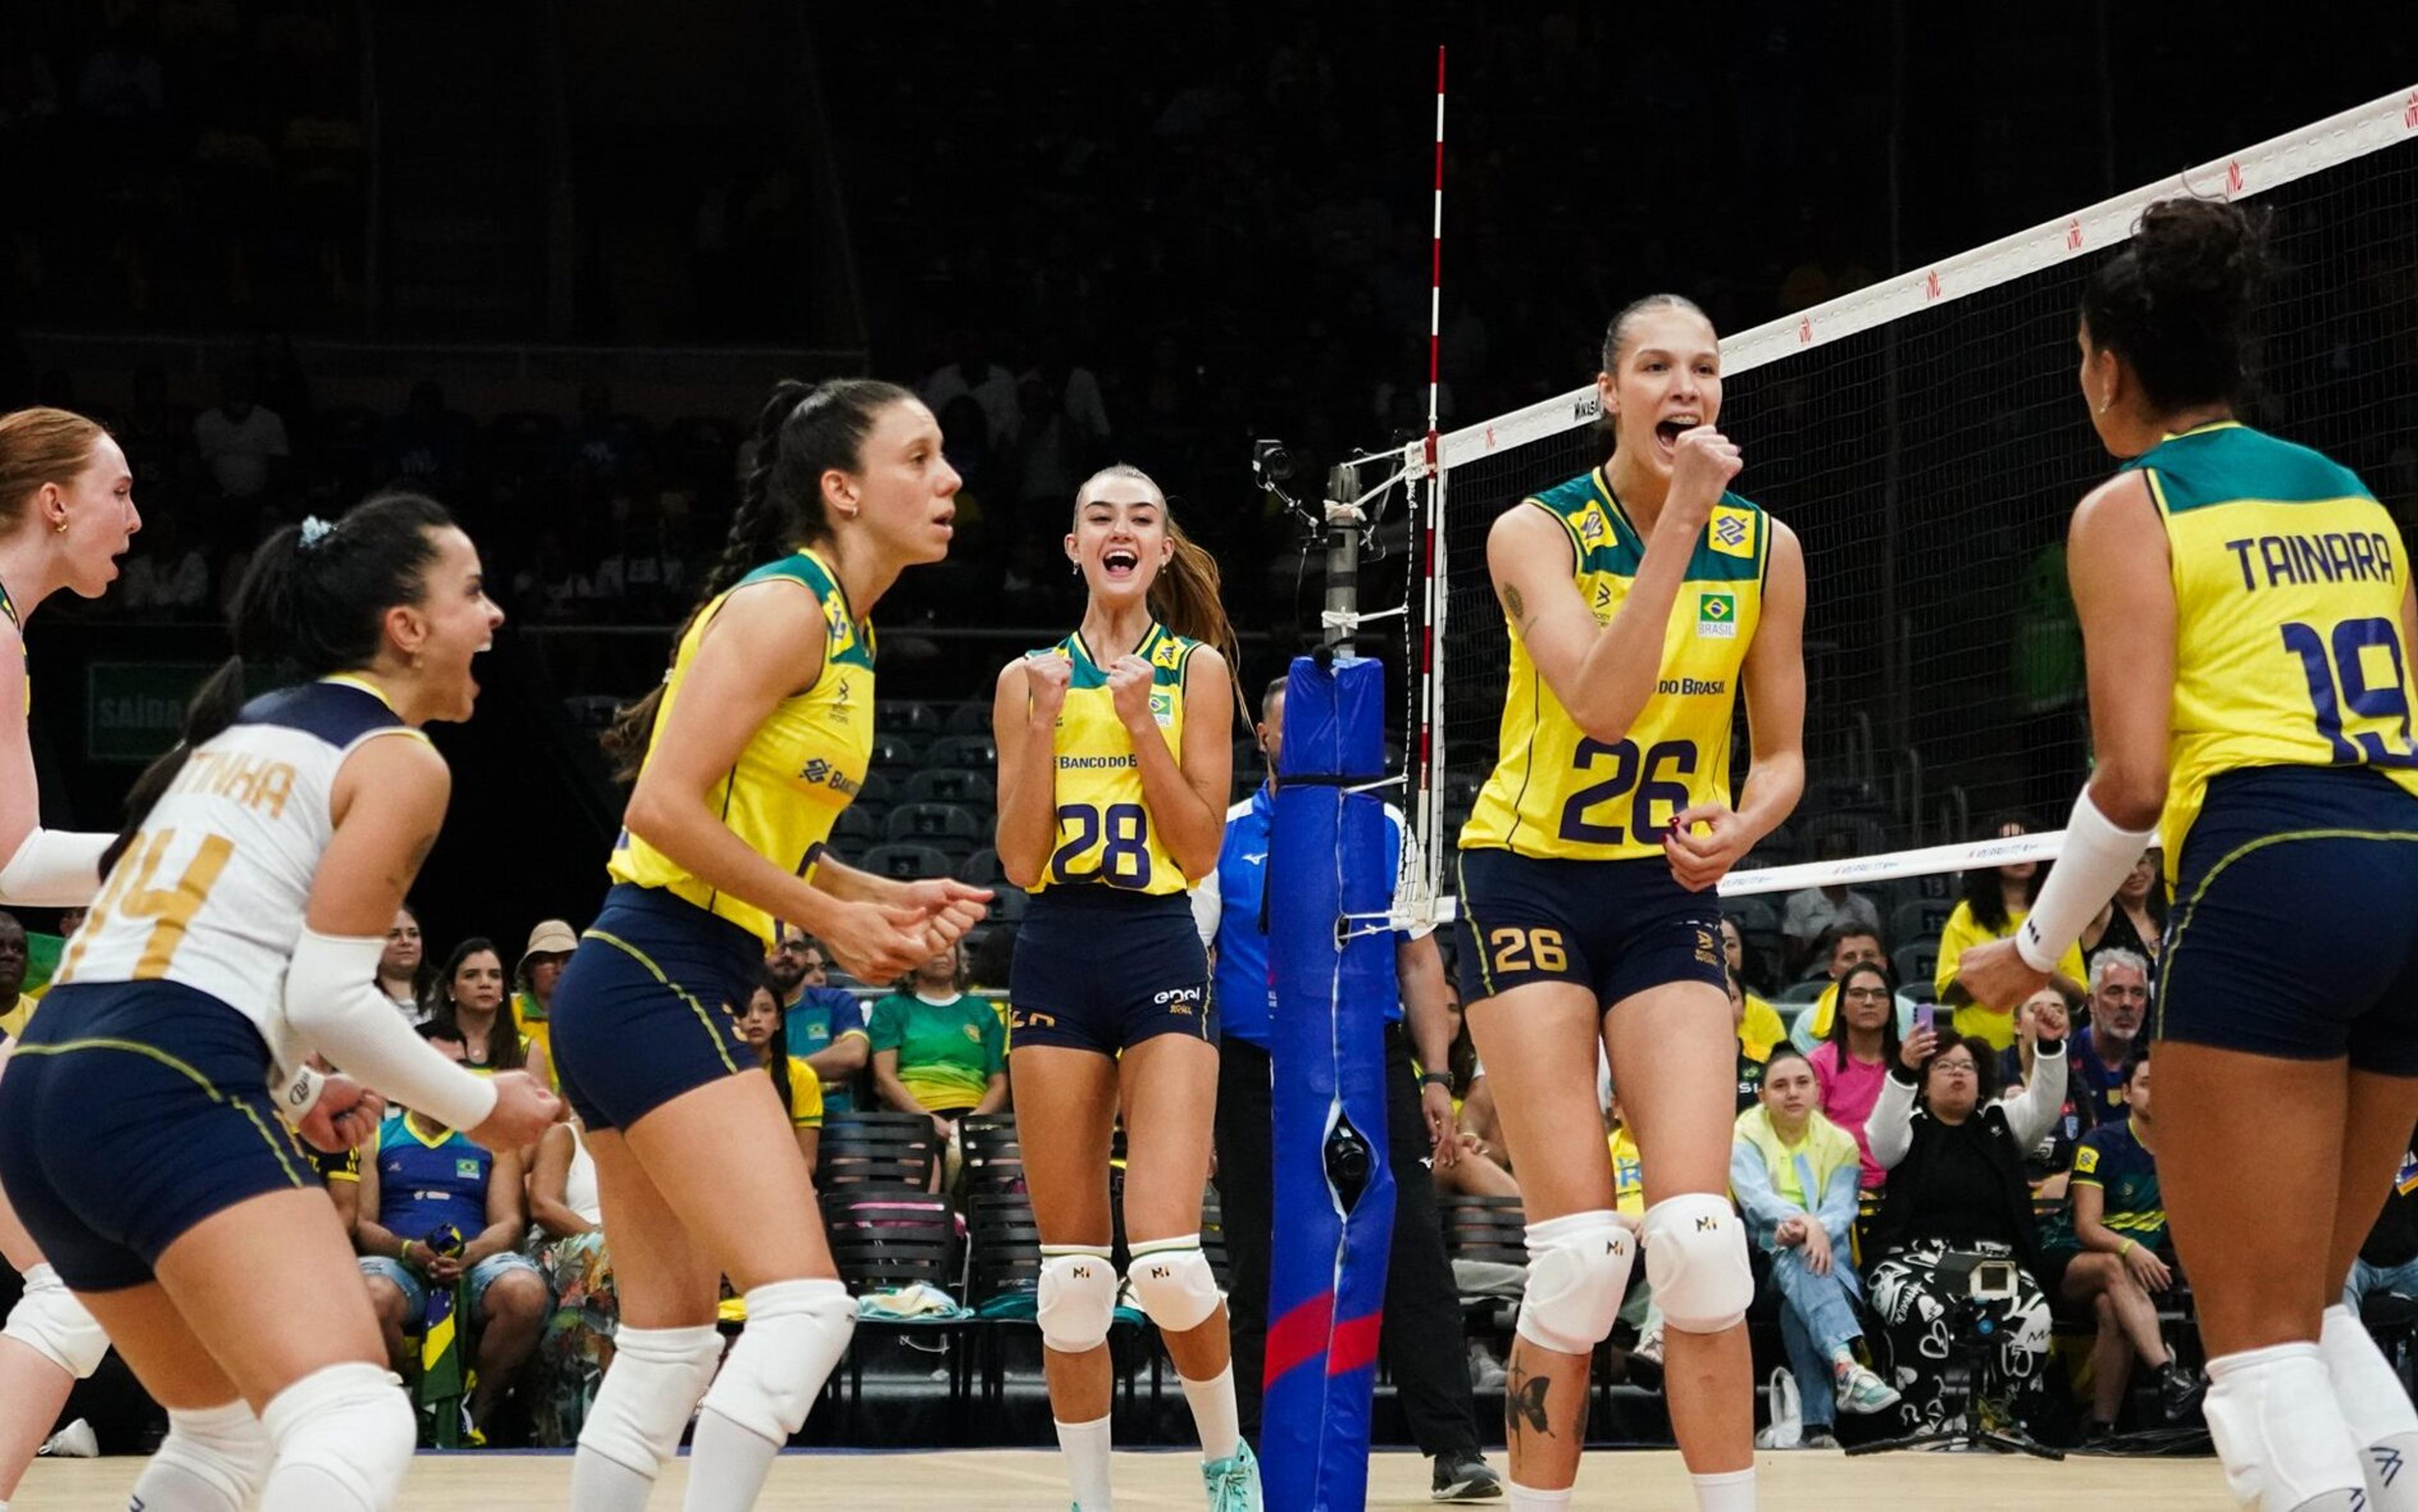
[[2202, 258]]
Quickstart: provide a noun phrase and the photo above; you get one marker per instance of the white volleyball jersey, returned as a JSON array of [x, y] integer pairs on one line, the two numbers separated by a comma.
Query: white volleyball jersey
[[212, 891]]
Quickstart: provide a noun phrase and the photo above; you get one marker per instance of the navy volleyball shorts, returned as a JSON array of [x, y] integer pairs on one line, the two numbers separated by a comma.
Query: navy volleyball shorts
[[1615, 928], [130, 1112], [1098, 967], [644, 1011], [2294, 932]]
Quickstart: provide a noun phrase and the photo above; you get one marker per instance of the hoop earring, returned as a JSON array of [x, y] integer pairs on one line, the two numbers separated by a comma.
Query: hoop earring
[[59, 526]]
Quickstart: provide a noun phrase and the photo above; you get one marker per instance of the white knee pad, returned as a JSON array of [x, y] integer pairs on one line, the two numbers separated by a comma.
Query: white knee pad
[[48, 1321], [656, 1377], [1695, 1259], [1578, 1270], [1172, 1281], [2278, 1428], [796, 1333], [1077, 1300], [350, 1425], [215, 1457]]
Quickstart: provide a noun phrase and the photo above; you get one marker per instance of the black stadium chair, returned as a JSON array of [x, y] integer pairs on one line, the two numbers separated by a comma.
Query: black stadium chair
[[958, 785], [970, 753], [905, 863], [955, 831]]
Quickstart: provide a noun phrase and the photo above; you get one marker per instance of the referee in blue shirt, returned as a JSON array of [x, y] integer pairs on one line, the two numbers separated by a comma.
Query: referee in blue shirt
[[1421, 1338]]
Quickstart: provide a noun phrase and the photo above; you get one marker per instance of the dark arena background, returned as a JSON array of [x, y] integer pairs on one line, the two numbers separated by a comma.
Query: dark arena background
[[544, 259]]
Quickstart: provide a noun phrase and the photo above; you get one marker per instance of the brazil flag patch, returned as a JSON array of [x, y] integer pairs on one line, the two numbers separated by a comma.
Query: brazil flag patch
[[1716, 616]]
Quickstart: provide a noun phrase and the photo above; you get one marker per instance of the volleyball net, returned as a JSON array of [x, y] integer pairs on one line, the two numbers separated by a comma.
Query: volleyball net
[[1926, 439]]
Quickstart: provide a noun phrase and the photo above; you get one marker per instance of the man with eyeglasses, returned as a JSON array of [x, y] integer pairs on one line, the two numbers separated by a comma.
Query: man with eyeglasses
[[825, 1024]]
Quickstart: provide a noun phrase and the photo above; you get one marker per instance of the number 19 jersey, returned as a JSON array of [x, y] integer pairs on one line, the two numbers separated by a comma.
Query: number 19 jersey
[[2289, 579], [1105, 835], [1556, 792]]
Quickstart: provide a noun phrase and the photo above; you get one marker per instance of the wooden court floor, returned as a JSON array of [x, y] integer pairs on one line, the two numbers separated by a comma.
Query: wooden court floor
[[1027, 1480]]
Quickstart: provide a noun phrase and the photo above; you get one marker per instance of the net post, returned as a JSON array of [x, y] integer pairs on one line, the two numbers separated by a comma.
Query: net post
[[1344, 523]]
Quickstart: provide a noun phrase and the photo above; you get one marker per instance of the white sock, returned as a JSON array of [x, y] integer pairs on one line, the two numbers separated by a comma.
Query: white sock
[[602, 1484], [1731, 1491], [1213, 1414], [2378, 1409], [1084, 1446], [727, 1464], [1529, 1499]]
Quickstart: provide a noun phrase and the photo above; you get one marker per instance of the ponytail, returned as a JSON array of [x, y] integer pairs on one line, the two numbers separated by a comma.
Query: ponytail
[[312, 600], [803, 431]]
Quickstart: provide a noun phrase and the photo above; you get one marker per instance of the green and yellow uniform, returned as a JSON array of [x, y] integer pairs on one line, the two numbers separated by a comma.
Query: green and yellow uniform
[[947, 1052], [1105, 835]]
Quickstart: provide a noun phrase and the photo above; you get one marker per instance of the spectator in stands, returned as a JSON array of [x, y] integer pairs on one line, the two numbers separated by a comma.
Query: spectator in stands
[[637, 582], [604, 449], [801, 1091], [550, 587], [1814, 912], [1850, 1066], [167, 576], [1638, 1309], [2388, 1260], [157, 436], [15, 956], [1842, 949], [975, 375], [1997, 900], [1761, 1024], [2047, 1014], [425, 1181], [1751, 1052], [540, 968], [281, 386], [2135, 918], [1063, 427], [822, 1023], [2105, 1047], [427, 447], [1956, 1187], [243, 443], [937, 1049], [1794, 1176], [400, 974], [466, 1003], [2102, 1250], [576, 1342]]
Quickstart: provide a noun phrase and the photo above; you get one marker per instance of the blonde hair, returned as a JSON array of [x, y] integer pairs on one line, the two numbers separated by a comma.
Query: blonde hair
[[40, 445]]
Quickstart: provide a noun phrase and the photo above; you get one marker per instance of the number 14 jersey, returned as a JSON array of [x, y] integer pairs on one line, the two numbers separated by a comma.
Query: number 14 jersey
[[2288, 580], [1557, 793]]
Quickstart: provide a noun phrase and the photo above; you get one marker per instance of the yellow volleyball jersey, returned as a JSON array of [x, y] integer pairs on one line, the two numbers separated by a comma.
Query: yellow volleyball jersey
[[2288, 580], [1105, 835], [800, 769], [1557, 793]]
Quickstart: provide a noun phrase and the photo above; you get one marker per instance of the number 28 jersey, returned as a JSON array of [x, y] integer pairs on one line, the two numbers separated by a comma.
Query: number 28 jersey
[[2289, 579], [1105, 835], [211, 892], [1556, 792]]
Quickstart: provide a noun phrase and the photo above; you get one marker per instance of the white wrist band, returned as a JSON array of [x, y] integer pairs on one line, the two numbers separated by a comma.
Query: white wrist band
[[2096, 859], [299, 1092]]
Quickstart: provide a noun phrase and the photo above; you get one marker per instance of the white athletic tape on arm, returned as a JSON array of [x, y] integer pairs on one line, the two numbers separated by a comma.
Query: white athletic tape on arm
[[333, 1004], [54, 869], [2094, 863], [296, 1092]]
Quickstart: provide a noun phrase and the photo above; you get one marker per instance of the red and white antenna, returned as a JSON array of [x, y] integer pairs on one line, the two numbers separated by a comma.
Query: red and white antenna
[[1435, 270]]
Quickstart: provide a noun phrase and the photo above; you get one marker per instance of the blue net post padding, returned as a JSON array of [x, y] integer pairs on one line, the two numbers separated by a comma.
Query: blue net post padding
[[1333, 1195]]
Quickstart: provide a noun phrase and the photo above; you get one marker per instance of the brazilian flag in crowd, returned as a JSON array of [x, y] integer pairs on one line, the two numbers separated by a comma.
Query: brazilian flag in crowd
[[443, 1380]]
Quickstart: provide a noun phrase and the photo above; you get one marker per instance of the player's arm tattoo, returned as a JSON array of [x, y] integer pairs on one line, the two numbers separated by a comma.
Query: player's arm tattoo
[[1512, 605]]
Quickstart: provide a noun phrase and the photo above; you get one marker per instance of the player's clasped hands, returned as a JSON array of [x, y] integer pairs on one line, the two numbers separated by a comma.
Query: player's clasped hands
[[523, 1111]]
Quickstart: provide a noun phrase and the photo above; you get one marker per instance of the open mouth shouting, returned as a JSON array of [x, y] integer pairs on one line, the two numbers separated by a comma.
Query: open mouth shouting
[[1668, 429], [1120, 563]]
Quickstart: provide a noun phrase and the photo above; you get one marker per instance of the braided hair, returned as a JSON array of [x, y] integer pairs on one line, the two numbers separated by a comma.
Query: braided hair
[[804, 431]]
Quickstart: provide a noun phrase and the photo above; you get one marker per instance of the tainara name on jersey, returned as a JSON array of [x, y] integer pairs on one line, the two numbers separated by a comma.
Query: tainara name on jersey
[[258, 782], [2336, 556]]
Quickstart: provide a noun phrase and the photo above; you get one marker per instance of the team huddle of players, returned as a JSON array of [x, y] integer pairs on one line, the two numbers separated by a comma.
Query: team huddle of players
[[2248, 614]]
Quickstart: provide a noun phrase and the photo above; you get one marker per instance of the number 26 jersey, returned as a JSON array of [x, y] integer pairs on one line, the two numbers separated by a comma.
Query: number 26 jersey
[[1556, 792]]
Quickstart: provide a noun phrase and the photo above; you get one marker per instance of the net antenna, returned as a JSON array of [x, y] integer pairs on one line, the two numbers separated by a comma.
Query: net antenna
[[1939, 686]]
